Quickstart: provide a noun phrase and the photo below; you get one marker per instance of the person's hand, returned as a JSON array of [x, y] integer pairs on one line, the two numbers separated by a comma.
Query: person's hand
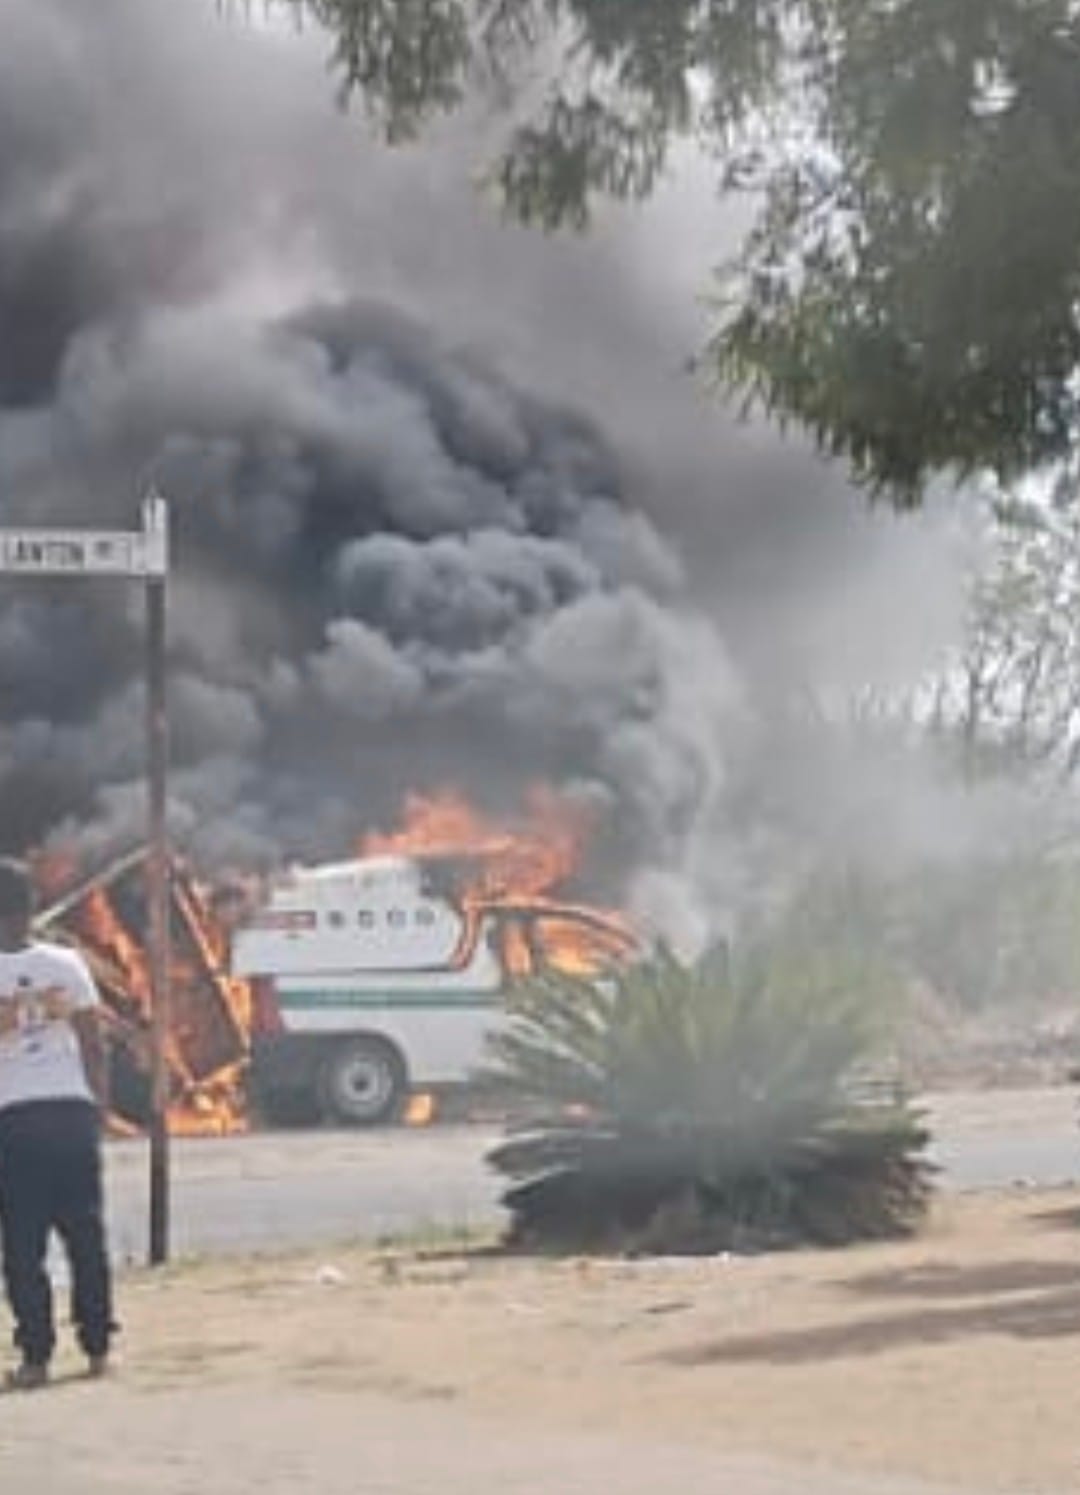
[[9, 1016], [56, 1004]]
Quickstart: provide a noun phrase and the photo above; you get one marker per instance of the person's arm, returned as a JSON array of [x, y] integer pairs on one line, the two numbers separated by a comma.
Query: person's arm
[[79, 1004], [88, 1030]]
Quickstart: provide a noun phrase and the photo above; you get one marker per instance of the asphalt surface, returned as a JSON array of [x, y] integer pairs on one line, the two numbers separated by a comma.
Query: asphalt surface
[[280, 1189], [275, 1190]]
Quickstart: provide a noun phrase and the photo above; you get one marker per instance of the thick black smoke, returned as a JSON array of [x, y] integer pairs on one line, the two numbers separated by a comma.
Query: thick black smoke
[[393, 570], [397, 565]]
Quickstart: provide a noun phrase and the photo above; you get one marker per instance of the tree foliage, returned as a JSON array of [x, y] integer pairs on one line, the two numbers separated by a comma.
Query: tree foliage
[[908, 290], [699, 1107], [1011, 695]]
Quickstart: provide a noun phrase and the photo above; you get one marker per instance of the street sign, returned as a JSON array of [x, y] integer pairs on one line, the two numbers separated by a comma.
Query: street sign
[[61, 552], [87, 552]]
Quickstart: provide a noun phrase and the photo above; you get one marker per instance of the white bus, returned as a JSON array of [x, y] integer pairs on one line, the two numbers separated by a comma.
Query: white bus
[[381, 976]]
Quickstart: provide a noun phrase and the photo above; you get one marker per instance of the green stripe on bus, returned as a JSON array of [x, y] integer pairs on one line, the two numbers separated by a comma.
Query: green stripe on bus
[[299, 1001]]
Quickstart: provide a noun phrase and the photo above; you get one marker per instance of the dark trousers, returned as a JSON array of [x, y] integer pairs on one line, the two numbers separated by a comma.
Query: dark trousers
[[50, 1179]]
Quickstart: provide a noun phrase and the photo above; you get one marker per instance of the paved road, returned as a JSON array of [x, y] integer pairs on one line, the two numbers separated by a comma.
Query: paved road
[[301, 1188], [996, 1139]]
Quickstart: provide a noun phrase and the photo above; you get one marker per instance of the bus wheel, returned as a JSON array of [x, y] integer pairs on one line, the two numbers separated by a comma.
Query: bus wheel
[[361, 1083]]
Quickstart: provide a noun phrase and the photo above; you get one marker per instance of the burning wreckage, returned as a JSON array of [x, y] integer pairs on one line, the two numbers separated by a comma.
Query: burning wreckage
[[336, 990], [106, 918]]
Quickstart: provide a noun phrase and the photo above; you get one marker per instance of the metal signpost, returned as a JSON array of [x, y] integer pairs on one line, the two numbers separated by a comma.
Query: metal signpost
[[142, 555]]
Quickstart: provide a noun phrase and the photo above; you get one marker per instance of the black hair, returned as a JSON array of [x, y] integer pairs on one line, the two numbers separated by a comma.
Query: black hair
[[16, 890]]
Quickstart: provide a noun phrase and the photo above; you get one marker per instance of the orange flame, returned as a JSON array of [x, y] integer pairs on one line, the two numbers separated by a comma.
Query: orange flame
[[528, 859], [99, 924], [514, 871], [508, 874], [205, 1103], [421, 1109]]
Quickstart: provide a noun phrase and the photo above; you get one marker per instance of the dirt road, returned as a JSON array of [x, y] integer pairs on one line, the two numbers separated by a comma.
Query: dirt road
[[295, 1443], [943, 1364]]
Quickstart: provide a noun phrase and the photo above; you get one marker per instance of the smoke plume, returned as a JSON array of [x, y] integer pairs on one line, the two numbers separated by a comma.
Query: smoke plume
[[446, 509]]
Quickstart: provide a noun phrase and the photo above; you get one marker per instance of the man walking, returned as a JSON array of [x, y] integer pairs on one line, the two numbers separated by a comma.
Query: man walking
[[52, 1089]]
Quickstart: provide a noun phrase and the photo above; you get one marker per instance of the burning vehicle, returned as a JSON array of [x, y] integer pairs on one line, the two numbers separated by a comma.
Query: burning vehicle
[[386, 974], [336, 991], [106, 917]]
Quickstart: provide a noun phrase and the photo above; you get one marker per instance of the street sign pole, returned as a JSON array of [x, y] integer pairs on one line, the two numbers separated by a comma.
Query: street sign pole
[[142, 555], [155, 531]]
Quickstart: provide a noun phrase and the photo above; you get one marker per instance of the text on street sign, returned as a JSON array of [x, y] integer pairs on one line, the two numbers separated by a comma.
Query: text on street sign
[[53, 552]]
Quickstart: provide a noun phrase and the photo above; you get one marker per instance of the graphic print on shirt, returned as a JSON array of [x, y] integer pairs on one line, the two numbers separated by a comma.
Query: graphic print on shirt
[[26, 1019], [31, 1022]]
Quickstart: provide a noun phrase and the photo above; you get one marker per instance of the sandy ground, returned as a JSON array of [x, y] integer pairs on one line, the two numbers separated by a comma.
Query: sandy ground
[[943, 1364]]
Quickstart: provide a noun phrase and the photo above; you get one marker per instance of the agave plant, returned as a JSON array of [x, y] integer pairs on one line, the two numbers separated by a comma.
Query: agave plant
[[702, 1107]]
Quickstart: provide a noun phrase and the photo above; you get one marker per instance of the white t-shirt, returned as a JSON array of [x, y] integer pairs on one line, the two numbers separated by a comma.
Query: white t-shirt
[[40, 1058]]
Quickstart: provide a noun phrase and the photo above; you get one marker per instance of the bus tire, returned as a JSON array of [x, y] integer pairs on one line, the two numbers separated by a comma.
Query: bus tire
[[361, 1082]]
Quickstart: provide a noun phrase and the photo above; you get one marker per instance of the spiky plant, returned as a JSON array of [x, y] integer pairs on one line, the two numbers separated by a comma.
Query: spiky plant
[[702, 1107]]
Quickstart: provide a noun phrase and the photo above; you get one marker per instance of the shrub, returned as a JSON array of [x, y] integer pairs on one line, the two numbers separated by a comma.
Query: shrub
[[704, 1107]]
